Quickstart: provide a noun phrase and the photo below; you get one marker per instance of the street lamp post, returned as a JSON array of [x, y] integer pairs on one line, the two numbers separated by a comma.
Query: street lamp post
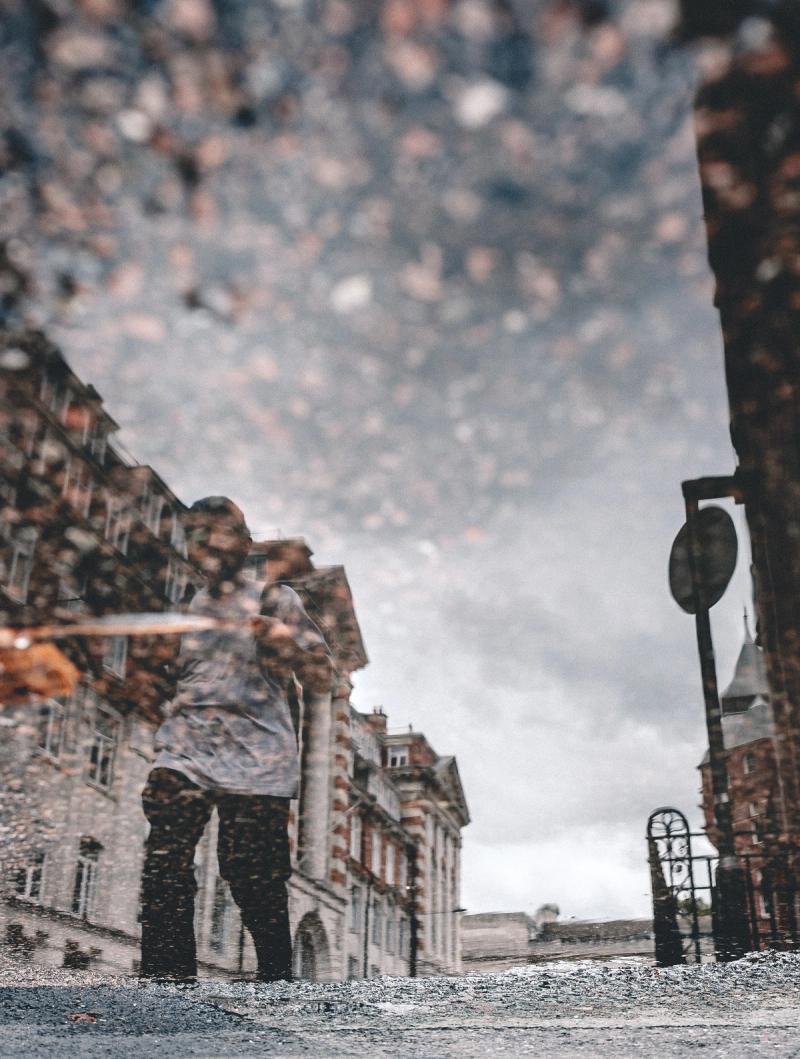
[[370, 880], [413, 930]]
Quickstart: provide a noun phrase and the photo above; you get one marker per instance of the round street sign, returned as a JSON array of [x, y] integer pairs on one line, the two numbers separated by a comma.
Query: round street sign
[[717, 547]]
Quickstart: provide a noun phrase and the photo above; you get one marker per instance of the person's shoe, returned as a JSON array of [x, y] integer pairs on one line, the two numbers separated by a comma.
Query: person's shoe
[[273, 976], [168, 979]]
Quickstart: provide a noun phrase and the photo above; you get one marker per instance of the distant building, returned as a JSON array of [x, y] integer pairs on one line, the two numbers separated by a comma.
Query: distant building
[[497, 941], [375, 832]]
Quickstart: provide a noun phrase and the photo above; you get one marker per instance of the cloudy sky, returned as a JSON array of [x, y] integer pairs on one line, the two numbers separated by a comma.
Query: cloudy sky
[[426, 284]]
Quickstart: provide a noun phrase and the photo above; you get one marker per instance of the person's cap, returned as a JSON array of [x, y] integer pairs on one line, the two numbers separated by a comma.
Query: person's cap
[[219, 505]]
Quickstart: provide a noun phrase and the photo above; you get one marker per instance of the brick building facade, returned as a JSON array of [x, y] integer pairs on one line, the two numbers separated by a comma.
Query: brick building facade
[[752, 227], [751, 759], [375, 832]]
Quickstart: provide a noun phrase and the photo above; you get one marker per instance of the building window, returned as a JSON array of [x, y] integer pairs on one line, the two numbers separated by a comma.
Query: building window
[[749, 763], [51, 726], [62, 404], [85, 889], [20, 564], [46, 387], [355, 909], [71, 594], [355, 836], [175, 584], [390, 932], [28, 429], [103, 746], [177, 537], [78, 420], [390, 879], [30, 877], [8, 508], [116, 655], [52, 393], [52, 456], [402, 865], [352, 967], [118, 524], [77, 489], [78, 959], [377, 923], [375, 857], [401, 936], [97, 442], [398, 756], [151, 508], [759, 829], [252, 568]]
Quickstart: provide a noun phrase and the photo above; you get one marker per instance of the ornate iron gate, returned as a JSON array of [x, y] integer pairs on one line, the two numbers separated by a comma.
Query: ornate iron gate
[[676, 922], [684, 894]]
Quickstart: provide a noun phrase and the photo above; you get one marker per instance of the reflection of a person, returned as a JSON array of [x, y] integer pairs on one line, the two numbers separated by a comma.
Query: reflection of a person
[[228, 743]]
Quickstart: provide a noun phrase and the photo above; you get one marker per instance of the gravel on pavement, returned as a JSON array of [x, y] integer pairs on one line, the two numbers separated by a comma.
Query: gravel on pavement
[[614, 1009]]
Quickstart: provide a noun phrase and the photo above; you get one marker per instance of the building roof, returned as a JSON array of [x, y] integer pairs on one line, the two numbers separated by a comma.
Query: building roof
[[326, 593], [755, 723], [749, 677], [446, 771], [747, 726]]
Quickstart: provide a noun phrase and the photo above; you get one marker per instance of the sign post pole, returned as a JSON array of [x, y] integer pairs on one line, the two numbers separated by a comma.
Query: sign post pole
[[704, 555]]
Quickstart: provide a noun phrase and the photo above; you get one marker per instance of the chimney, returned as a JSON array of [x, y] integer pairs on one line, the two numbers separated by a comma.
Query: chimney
[[377, 719]]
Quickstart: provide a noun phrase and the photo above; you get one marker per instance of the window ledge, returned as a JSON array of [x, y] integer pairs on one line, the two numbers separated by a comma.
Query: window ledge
[[100, 789], [52, 759]]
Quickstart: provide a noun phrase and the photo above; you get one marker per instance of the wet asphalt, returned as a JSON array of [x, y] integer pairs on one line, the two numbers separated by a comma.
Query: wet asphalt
[[612, 1010]]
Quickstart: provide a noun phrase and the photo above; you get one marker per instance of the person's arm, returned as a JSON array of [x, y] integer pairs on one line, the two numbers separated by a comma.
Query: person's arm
[[290, 642]]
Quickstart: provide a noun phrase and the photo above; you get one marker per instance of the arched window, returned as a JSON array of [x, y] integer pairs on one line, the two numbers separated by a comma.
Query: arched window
[[29, 877], [390, 874], [377, 922], [85, 888], [102, 749], [20, 563], [356, 915], [375, 855], [355, 836], [52, 714]]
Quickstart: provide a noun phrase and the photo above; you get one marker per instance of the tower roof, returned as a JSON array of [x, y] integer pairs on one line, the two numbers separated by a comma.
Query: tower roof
[[749, 678]]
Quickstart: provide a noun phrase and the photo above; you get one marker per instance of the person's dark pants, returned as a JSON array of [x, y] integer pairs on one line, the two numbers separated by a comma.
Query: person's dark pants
[[253, 852]]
